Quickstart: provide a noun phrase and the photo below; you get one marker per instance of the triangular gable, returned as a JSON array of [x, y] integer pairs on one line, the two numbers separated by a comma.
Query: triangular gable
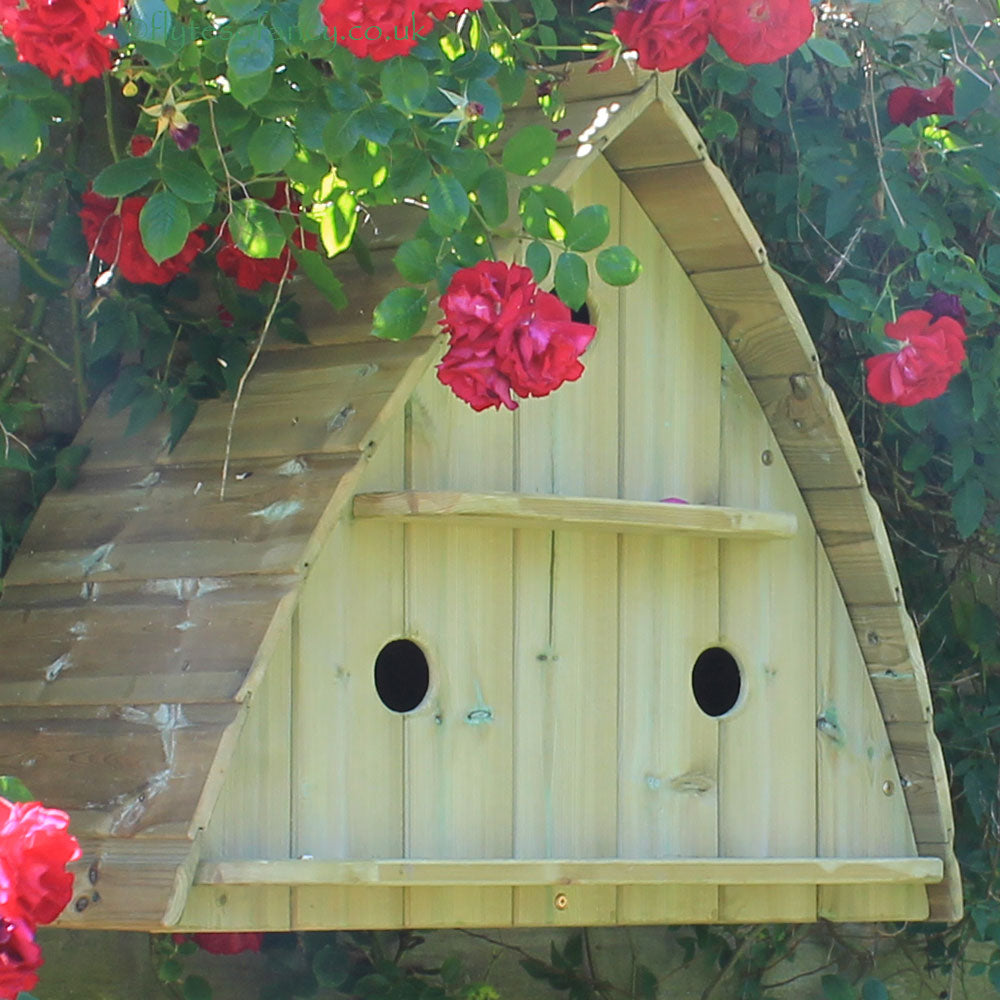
[[141, 613]]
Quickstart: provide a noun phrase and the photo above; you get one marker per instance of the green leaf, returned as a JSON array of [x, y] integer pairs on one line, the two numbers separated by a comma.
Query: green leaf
[[766, 100], [539, 259], [255, 229], [20, 134], [837, 988], [67, 465], [188, 181], [618, 266], [968, 507], [404, 83], [415, 261], [874, 989], [646, 983], [250, 50], [145, 409], [529, 150], [341, 134], [378, 123], [14, 790], [571, 279], [718, 124], [449, 205], [491, 194], [270, 148], [338, 222], [196, 988], [250, 89], [319, 273], [400, 314], [573, 951], [588, 229], [182, 413], [170, 971], [235, 9], [164, 224], [125, 176], [331, 966], [829, 51]]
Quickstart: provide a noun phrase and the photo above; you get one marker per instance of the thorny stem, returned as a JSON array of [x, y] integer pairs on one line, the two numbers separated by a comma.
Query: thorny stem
[[246, 374], [16, 370], [725, 972], [877, 135], [29, 258], [109, 116], [79, 373]]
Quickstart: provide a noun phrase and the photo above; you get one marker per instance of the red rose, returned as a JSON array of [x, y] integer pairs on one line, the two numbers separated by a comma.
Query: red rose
[[475, 378], [251, 272], [382, 29], [507, 335], [114, 238], [544, 351], [20, 956], [761, 31], [931, 354], [225, 943], [667, 34], [36, 847], [907, 104], [61, 37], [140, 145]]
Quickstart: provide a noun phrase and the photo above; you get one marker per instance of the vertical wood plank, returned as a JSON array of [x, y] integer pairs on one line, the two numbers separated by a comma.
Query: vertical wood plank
[[348, 747], [861, 808], [767, 744], [669, 604], [459, 743], [566, 599], [566, 759], [458, 596], [252, 816]]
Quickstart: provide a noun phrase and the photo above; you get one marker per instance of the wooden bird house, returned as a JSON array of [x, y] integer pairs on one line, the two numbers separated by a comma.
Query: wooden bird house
[[427, 667]]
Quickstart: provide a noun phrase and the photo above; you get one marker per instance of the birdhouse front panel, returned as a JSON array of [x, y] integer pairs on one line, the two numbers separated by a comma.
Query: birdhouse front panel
[[489, 692], [633, 653]]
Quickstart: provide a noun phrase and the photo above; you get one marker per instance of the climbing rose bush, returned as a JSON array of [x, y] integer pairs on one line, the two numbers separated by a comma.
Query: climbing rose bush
[[931, 354], [671, 34], [381, 29], [112, 234], [907, 104], [62, 37], [35, 847], [507, 335]]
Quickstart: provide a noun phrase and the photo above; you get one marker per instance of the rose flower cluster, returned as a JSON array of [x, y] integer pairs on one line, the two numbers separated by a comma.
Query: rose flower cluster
[[62, 37], [507, 335], [931, 353], [671, 34], [35, 847], [381, 29]]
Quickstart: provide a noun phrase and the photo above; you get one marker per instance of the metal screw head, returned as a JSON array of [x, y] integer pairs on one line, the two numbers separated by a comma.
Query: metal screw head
[[766, 457], [888, 787], [561, 901]]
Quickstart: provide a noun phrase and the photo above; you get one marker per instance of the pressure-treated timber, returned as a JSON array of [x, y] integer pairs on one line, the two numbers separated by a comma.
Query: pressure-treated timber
[[523, 510], [612, 871]]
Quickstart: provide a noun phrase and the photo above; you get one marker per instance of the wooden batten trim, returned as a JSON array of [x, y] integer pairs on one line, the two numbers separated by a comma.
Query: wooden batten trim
[[522, 510], [613, 871]]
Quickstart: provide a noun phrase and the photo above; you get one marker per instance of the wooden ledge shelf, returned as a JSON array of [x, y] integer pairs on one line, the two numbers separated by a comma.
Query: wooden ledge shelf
[[612, 871], [529, 510]]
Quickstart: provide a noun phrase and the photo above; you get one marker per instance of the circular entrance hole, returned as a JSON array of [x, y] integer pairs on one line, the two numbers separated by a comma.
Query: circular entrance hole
[[716, 681], [401, 675], [581, 315]]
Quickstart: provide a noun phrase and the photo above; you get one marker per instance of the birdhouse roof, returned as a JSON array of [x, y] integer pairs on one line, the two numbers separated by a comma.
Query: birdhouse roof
[[141, 612]]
